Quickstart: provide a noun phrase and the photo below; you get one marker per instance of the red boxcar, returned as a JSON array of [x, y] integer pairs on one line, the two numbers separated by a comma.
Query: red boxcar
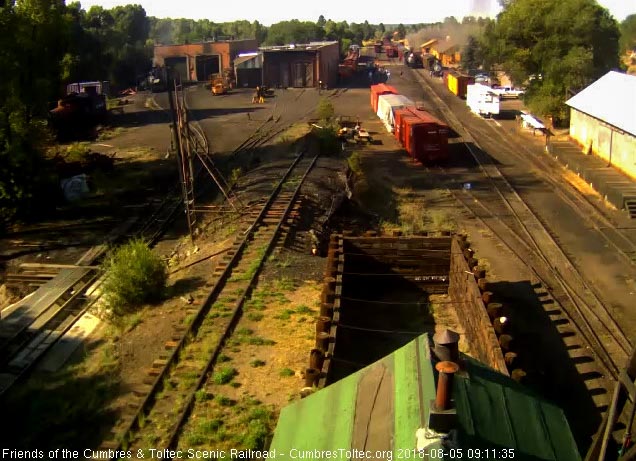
[[424, 137], [398, 115], [377, 90]]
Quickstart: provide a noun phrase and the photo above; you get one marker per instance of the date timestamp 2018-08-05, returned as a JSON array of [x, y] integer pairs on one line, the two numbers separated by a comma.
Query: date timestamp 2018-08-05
[[457, 453]]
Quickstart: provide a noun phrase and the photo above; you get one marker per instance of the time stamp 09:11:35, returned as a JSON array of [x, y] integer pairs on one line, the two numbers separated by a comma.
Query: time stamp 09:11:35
[[457, 453]]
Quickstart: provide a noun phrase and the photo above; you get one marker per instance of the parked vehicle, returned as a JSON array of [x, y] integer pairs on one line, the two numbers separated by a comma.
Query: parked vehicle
[[77, 113], [508, 92], [482, 99]]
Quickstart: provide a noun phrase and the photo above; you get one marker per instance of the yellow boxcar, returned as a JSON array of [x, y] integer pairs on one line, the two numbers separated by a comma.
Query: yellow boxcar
[[453, 84]]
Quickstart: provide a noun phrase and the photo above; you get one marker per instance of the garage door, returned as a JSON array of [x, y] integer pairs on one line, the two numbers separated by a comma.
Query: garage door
[[207, 65], [302, 75], [179, 67]]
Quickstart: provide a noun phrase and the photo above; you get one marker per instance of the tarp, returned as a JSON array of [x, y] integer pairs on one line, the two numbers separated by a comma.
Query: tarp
[[388, 104]]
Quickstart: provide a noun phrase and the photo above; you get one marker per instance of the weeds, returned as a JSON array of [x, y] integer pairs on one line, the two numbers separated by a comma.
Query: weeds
[[285, 284], [255, 316], [303, 309], [258, 341], [201, 395], [257, 363], [285, 315], [286, 372], [355, 163], [224, 358], [225, 375], [224, 401]]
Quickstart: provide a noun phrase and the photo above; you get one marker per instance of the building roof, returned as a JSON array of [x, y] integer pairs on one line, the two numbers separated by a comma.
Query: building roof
[[610, 99], [381, 407], [159, 45], [298, 47], [240, 59], [429, 43]]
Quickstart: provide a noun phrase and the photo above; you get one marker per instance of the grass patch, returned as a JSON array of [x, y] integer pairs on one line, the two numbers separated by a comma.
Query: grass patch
[[201, 395], [285, 315], [285, 284], [134, 276], [258, 341], [224, 401], [355, 163], [286, 372], [224, 358], [303, 309], [257, 363], [255, 316], [225, 375], [131, 322]]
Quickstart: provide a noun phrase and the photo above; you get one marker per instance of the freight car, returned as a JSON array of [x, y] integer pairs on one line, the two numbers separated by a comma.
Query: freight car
[[424, 137], [457, 83], [387, 105], [379, 90]]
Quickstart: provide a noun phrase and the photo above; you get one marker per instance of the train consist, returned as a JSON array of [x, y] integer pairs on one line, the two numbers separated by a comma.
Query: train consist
[[424, 137]]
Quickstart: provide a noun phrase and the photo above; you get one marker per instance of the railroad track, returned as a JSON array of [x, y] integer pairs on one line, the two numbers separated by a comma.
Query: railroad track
[[165, 404], [498, 205]]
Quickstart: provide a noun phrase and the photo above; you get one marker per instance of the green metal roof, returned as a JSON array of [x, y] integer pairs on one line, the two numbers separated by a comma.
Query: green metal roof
[[381, 407]]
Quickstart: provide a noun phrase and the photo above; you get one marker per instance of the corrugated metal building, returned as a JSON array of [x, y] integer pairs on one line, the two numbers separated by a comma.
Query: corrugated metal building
[[382, 407], [301, 66], [197, 61], [603, 120]]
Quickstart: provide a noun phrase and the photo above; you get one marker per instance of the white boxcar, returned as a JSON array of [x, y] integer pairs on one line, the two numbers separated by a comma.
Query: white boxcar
[[482, 99], [388, 104]]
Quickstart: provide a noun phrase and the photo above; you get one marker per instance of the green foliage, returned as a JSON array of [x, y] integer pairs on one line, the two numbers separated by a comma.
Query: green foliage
[[294, 31], [355, 163], [325, 111], [569, 43], [134, 276], [257, 363], [224, 376], [286, 372], [628, 33], [471, 54]]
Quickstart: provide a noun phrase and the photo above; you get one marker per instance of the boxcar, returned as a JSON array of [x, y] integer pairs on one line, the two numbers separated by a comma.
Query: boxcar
[[457, 83], [379, 90], [425, 137], [387, 105]]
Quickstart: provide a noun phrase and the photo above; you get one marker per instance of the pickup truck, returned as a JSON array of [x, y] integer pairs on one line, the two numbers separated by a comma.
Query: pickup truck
[[508, 92]]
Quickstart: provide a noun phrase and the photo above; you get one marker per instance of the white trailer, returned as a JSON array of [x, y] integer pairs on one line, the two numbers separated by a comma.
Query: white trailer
[[482, 99], [388, 104]]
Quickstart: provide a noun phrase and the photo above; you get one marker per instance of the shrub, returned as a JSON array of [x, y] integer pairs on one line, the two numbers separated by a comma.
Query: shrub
[[325, 111], [134, 276]]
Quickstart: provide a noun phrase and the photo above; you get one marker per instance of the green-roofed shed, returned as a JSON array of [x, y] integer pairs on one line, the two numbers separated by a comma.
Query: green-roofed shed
[[382, 406]]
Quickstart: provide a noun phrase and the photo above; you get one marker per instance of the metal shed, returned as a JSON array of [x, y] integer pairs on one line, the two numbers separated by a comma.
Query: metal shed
[[603, 120], [382, 406]]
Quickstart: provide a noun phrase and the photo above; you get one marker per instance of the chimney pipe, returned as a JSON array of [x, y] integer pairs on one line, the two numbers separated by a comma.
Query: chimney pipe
[[445, 384], [447, 345]]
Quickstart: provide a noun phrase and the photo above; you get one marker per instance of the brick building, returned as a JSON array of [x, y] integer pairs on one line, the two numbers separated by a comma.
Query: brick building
[[197, 61]]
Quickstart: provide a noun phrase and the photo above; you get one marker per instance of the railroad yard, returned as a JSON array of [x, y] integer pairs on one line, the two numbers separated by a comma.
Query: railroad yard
[[250, 307]]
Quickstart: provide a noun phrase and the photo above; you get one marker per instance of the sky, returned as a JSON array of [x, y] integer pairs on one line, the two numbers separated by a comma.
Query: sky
[[268, 12]]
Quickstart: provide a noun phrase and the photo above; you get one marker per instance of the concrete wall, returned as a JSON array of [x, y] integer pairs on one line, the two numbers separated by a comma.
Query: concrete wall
[[471, 311], [612, 145]]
